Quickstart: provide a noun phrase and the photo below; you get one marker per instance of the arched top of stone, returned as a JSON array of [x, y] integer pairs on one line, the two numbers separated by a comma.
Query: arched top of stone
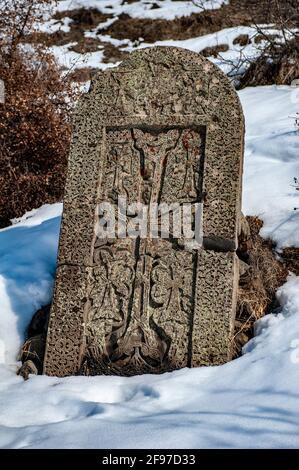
[[157, 89], [182, 60], [145, 83]]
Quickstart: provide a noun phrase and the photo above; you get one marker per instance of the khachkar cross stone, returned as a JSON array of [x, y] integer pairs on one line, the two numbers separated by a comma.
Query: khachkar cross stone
[[164, 126]]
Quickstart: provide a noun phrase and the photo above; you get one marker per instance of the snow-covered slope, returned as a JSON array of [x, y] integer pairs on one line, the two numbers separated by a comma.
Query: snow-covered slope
[[151, 9], [271, 161], [250, 402]]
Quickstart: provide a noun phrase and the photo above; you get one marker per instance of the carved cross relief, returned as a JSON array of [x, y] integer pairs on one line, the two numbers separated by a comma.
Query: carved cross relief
[[142, 290]]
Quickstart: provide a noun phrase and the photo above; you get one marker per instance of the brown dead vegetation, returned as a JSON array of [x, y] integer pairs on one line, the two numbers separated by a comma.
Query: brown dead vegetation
[[236, 13], [214, 51], [34, 119], [261, 273], [277, 58], [291, 258], [242, 40], [278, 63], [82, 74], [82, 20]]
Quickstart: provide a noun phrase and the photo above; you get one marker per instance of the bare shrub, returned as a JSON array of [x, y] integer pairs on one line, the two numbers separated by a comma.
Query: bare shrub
[[277, 48], [35, 117], [277, 64]]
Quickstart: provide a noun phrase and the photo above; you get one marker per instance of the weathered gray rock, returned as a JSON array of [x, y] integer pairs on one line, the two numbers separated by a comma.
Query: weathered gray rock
[[164, 126]]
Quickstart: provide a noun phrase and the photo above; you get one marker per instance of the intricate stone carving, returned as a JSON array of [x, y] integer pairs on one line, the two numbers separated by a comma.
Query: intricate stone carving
[[127, 312], [163, 127]]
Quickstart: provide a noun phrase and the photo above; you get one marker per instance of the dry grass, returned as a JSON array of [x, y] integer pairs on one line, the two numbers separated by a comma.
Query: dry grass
[[261, 275], [279, 64]]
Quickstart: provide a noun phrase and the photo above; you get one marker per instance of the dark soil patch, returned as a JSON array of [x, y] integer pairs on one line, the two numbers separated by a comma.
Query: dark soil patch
[[214, 51], [260, 37], [86, 45], [242, 40], [84, 74], [291, 259], [82, 20], [113, 54]]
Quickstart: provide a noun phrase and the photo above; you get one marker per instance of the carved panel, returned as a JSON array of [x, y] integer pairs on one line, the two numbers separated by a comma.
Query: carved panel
[[140, 304], [153, 165]]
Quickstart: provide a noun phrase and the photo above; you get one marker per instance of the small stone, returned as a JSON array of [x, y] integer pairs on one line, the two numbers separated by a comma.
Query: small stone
[[27, 369]]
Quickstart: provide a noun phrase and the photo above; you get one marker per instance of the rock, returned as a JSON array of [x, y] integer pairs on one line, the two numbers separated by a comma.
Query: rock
[[165, 126], [27, 368], [33, 350]]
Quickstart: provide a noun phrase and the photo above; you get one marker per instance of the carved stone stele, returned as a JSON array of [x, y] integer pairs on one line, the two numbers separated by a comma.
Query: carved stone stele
[[164, 126]]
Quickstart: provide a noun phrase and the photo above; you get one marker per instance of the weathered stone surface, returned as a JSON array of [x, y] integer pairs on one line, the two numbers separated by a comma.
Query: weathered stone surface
[[215, 304], [164, 126]]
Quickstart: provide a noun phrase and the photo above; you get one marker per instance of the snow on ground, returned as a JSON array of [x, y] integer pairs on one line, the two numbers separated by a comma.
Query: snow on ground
[[73, 60], [234, 59], [28, 252], [151, 9], [271, 163], [168, 9], [250, 402], [227, 61]]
